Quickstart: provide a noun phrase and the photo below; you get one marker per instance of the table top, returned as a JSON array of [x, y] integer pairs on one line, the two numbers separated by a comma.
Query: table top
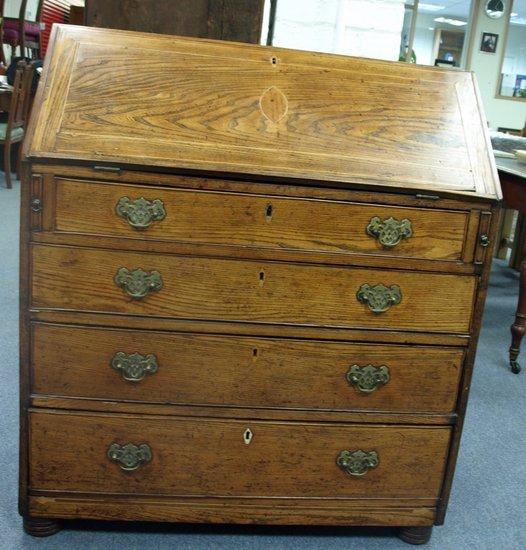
[[511, 166]]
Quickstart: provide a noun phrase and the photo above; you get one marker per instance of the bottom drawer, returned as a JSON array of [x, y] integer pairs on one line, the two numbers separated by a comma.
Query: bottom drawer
[[125, 454]]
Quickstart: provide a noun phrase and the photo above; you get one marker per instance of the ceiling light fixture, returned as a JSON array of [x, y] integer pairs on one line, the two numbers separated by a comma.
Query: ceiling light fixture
[[454, 22], [430, 7]]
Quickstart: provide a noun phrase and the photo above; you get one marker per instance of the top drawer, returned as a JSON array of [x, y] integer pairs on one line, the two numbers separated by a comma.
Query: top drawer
[[262, 221]]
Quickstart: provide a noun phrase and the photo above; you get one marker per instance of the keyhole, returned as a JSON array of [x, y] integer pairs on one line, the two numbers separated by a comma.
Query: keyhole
[[261, 277], [255, 353], [268, 212], [274, 60], [247, 436]]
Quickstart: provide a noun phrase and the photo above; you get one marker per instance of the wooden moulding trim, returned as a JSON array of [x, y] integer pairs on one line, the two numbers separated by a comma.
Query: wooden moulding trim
[[251, 183], [246, 329], [467, 194], [24, 346], [269, 254], [182, 510], [160, 415], [87, 405], [260, 327], [257, 500]]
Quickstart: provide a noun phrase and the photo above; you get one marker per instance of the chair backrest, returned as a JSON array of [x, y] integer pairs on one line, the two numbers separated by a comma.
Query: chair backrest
[[21, 97], [33, 30]]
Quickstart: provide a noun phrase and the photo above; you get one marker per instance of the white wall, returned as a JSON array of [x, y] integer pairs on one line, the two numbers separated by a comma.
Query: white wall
[[366, 28], [508, 113]]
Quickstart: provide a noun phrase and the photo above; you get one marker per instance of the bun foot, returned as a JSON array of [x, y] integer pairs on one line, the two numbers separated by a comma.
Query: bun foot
[[515, 367], [415, 535], [40, 527]]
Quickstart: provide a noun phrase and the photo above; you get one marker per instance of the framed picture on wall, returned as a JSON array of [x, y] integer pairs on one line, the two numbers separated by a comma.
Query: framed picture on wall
[[489, 42]]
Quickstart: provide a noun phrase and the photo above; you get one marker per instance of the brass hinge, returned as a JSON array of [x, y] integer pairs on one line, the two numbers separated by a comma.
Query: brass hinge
[[107, 168], [427, 197]]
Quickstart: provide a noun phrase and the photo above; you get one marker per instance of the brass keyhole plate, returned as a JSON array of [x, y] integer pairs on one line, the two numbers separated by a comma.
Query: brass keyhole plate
[[247, 436]]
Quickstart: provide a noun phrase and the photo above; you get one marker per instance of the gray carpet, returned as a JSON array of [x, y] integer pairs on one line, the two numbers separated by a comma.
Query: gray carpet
[[488, 503]]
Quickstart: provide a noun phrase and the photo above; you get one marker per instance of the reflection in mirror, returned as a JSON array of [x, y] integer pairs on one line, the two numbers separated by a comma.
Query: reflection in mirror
[[495, 8], [513, 69]]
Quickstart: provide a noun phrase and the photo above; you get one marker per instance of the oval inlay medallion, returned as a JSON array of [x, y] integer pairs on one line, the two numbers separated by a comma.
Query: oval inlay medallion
[[273, 104]]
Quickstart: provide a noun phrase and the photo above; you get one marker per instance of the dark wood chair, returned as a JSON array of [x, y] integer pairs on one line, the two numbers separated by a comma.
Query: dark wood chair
[[13, 130], [21, 32]]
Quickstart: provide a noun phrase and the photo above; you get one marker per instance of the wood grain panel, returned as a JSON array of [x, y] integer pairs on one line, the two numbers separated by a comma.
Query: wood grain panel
[[195, 457], [259, 292], [258, 221], [241, 372], [347, 119]]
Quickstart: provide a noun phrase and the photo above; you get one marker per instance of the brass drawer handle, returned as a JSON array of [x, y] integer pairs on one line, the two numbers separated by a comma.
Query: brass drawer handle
[[379, 298], [390, 231], [129, 457], [367, 379], [140, 213], [134, 367], [138, 283], [357, 463]]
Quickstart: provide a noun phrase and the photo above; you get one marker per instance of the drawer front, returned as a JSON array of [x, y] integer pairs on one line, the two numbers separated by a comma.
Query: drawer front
[[195, 369], [260, 292], [185, 456], [258, 221]]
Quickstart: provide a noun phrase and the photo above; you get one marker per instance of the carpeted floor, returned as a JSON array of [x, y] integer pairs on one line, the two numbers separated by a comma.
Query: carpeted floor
[[488, 503]]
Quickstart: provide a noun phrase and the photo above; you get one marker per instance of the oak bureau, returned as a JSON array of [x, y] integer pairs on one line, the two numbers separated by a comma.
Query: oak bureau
[[252, 284]]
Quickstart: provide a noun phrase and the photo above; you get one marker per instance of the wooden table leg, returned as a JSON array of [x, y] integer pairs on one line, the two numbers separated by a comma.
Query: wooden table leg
[[519, 326]]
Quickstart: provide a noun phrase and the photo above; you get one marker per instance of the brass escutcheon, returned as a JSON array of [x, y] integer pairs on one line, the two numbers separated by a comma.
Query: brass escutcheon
[[389, 232], [134, 367], [368, 378], [357, 463], [140, 213], [129, 456], [137, 283], [379, 298]]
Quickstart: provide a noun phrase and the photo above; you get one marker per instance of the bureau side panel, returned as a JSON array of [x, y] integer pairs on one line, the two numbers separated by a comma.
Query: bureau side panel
[[489, 225]]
